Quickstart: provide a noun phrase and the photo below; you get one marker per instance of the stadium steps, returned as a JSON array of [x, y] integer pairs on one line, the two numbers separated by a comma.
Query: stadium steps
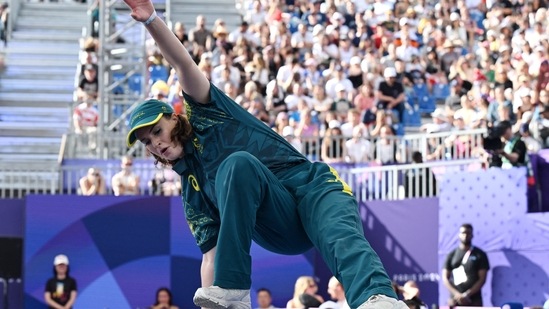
[[36, 89], [185, 11]]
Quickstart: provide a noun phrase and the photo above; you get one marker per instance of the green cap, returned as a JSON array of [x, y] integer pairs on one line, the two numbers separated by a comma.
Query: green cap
[[146, 114]]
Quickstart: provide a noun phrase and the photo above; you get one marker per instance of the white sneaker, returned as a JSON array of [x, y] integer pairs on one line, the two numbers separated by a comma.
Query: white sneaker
[[383, 302], [214, 297]]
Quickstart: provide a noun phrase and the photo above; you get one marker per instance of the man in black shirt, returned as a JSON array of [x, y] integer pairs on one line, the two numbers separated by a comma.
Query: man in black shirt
[[465, 271], [390, 94]]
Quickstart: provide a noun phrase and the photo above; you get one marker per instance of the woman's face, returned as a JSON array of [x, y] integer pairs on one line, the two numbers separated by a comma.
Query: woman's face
[[163, 298], [157, 139], [312, 288]]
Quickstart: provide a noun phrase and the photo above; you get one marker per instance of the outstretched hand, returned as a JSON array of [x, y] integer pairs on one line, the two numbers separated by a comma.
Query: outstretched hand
[[141, 9]]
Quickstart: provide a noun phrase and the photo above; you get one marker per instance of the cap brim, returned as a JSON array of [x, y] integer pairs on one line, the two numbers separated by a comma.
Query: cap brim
[[131, 138]]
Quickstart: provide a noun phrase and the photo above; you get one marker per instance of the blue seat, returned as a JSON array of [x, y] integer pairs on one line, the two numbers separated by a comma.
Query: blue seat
[[420, 90], [427, 104], [120, 88], [512, 305], [15, 293], [158, 72], [3, 288], [134, 83], [412, 117], [441, 91]]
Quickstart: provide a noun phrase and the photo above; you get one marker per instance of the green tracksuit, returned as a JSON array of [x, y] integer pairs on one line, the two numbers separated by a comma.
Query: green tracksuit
[[243, 181]]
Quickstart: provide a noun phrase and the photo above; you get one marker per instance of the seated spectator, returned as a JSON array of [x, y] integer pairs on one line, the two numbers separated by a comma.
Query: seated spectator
[[366, 98], [165, 182], [333, 146], [164, 299], [453, 101], [386, 147], [288, 134], [439, 123], [307, 131], [93, 183], [125, 182], [338, 79], [89, 84], [264, 299], [341, 104], [303, 285], [353, 120], [85, 120], [467, 112], [390, 94], [359, 149]]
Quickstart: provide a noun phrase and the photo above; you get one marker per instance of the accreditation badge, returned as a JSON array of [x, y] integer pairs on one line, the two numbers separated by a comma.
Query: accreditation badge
[[459, 275]]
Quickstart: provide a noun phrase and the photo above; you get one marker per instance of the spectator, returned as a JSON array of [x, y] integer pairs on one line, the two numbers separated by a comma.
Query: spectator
[[165, 182], [93, 183], [264, 299], [89, 84], [365, 99], [420, 182], [125, 182], [333, 146], [358, 148], [386, 148], [85, 120], [164, 299], [353, 120], [337, 293], [179, 31], [465, 271], [61, 290], [199, 34], [289, 135], [439, 124], [467, 112], [338, 79], [303, 285], [341, 104], [514, 152], [390, 94]]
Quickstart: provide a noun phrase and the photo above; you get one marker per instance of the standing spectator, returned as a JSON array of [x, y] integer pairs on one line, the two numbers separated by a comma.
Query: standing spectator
[[125, 182], [465, 271], [335, 289], [419, 182], [514, 153], [93, 183], [390, 94], [61, 289], [199, 34], [264, 299], [164, 299]]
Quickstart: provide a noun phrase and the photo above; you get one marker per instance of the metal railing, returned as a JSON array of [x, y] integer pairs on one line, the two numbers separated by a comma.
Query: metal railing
[[397, 182], [390, 182], [433, 147], [17, 180]]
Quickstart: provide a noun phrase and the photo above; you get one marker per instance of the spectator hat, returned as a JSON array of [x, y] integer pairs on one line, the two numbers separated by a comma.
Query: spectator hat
[[146, 114], [454, 16], [160, 87], [340, 87], [389, 72], [61, 259], [458, 117], [403, 21], [540, 49], [448, 44], [288, 131], [317, 29], [334, 124], [504, 48], [337, 16], [439, 114], [355, 60]]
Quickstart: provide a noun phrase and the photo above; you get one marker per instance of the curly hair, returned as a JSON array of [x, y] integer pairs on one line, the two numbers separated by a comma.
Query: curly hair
[[181, 133]]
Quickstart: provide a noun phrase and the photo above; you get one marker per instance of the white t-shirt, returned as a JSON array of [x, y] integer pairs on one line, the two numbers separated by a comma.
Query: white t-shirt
[[358, 151]]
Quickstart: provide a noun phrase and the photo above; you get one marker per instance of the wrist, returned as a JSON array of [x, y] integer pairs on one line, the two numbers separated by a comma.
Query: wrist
[[465, 294], [150, 19]]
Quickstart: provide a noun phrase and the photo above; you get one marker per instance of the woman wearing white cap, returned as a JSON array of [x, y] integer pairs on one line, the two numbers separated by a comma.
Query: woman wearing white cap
[[61, 289]]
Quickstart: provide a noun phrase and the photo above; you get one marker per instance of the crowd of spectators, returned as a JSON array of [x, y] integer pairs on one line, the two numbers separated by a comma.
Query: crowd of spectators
[[340, 78]]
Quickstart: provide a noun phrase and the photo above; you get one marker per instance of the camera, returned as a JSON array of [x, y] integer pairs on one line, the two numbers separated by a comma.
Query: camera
[[492, 141]]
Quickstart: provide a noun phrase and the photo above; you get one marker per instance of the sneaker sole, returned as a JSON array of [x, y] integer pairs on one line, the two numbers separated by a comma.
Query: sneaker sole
[[210, 304]]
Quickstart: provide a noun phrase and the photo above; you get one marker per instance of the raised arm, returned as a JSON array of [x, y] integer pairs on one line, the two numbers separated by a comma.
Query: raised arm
[[193, 82]]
